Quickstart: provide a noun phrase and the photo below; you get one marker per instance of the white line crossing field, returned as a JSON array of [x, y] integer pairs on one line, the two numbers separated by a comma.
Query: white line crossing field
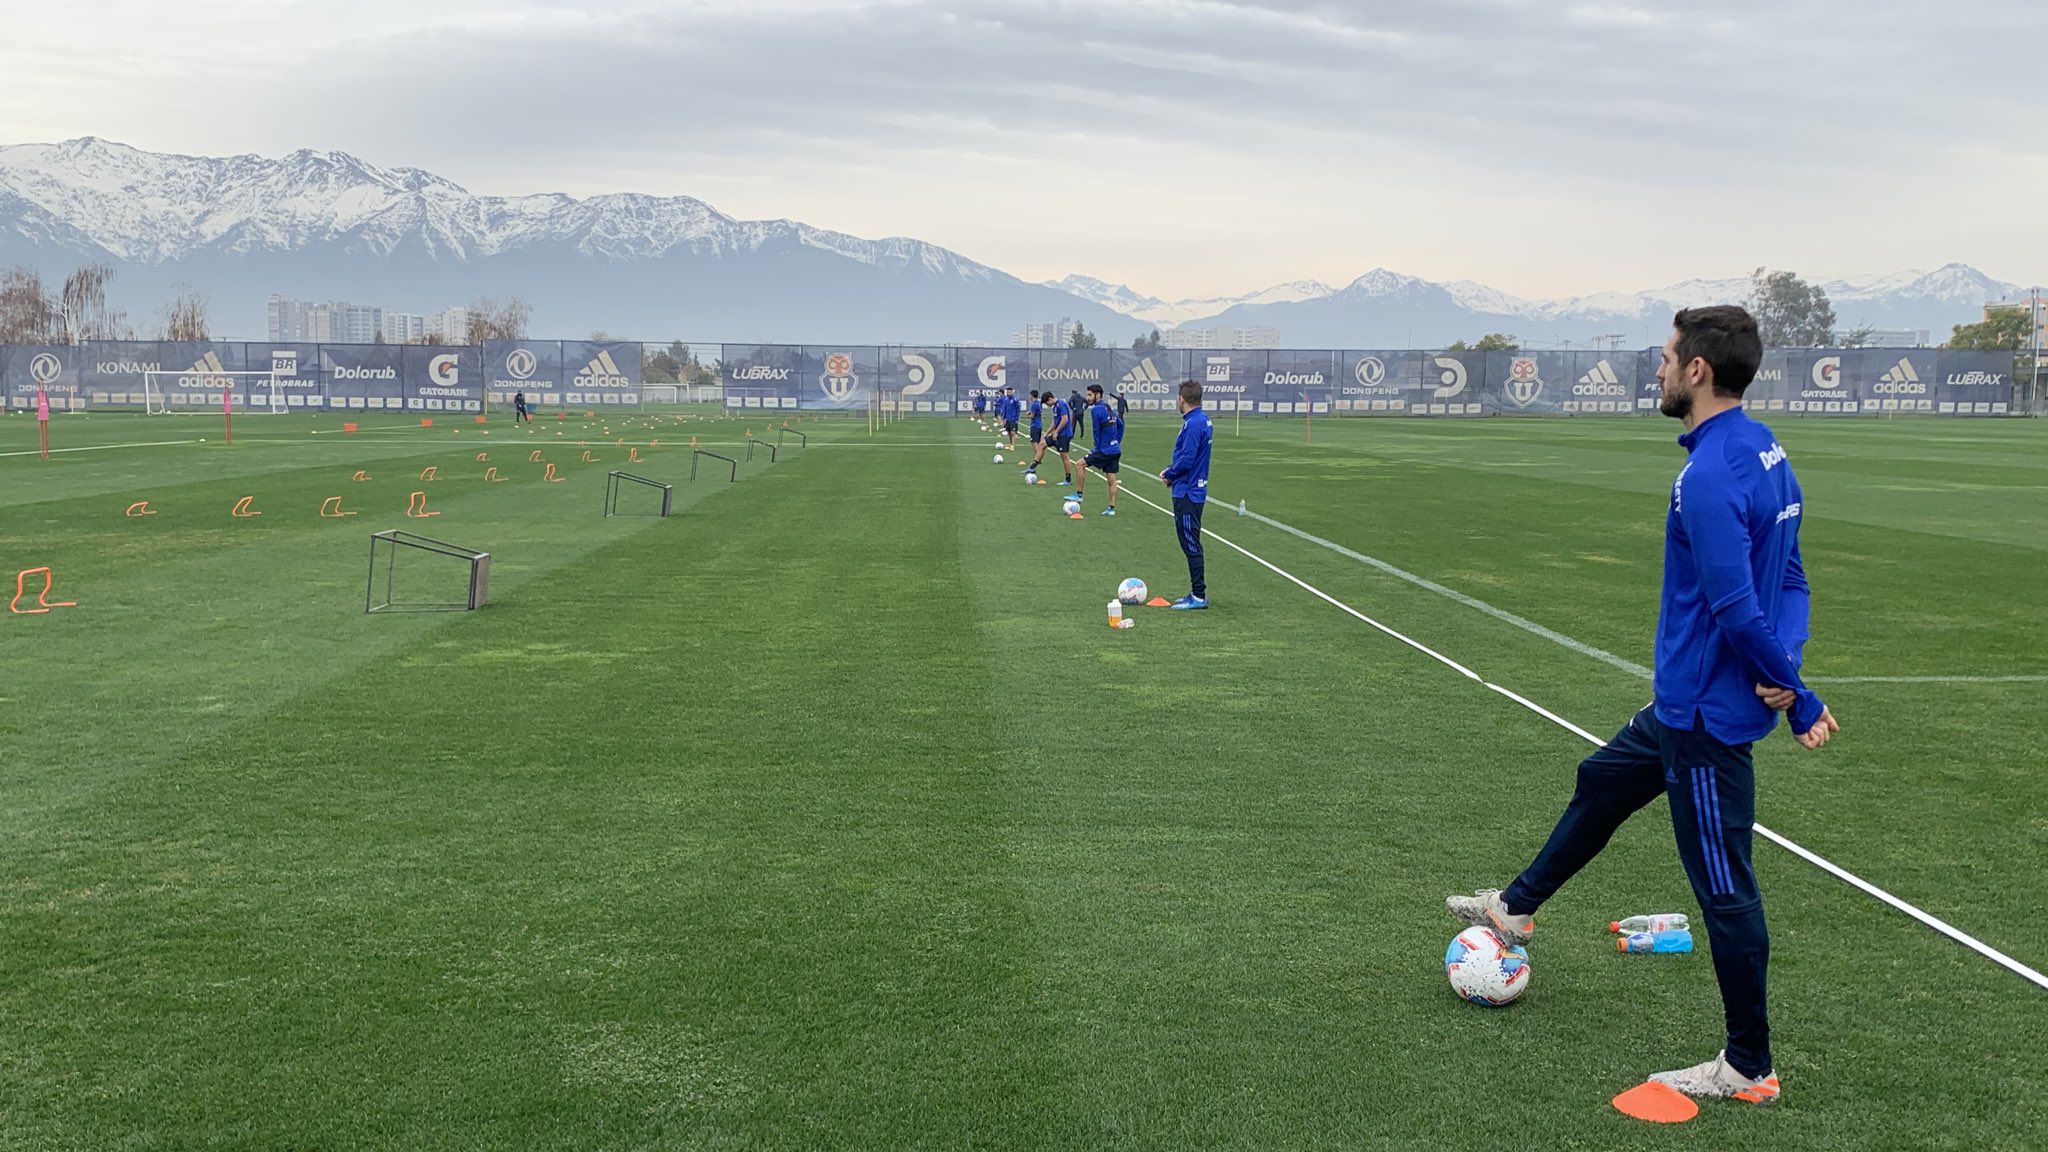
[[2030, 974]]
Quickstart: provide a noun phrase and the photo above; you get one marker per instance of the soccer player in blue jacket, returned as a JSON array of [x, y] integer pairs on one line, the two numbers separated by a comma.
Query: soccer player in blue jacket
[[980, 405], [1188, 476], [1107, 452], [1010, 409], [1730, 632], [1056, 437]]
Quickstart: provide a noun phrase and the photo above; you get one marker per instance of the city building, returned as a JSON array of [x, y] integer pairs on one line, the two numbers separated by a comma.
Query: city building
[[2035, 306], [403, 327], [449, 325], [1260, 336], [1057, 334]]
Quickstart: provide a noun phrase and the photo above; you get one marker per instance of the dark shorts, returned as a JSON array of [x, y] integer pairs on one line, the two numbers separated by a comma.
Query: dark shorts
[[1010, 426], [1037, 435], [1104, 463], [1060, 445]]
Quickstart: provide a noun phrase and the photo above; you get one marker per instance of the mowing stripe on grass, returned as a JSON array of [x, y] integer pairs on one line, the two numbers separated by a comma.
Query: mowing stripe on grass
[[1840, 873], [1580, 646]]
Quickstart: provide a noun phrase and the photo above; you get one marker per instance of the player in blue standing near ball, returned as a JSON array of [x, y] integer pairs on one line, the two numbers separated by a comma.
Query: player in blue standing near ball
[[1730, 633], [1106, 452], [1188, 477]]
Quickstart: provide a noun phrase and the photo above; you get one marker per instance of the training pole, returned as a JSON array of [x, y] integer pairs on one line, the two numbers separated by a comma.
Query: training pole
[[43, 423], [227, 411], [1308, 427]]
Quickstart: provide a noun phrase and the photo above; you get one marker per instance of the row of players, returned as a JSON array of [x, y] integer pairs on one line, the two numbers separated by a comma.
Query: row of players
[[1187, 475]]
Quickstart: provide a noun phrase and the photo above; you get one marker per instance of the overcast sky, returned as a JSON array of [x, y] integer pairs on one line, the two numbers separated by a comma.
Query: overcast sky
[[1187, 147]]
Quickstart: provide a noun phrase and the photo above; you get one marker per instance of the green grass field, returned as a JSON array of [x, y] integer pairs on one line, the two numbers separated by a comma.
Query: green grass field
[[827, 813]]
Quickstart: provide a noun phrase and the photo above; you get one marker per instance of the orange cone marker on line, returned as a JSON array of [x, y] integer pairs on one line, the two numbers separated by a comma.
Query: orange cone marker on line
[[1658, 1103]]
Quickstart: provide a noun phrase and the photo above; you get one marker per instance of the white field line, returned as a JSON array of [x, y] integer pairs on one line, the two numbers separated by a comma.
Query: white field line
[[102, 447], [1583, 648], [1932, 921]]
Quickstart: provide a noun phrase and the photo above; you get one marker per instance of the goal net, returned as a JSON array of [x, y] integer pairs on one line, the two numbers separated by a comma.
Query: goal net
[[414, 573], [210, 393]]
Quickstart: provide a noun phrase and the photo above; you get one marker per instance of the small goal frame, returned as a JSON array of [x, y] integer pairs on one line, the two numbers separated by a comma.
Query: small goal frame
[[386, 546]]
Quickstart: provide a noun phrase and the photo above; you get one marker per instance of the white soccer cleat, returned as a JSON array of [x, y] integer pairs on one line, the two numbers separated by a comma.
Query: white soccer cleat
[[1485, 909], [1717, 1079]]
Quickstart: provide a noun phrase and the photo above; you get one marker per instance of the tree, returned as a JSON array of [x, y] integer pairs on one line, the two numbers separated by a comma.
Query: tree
[[82, 308], [185, 315], [1858, 337], [1497, 342], [1790, 313], [600, 336], [490, 319], [1082, 337], [27, 314], [2004, 329], [1146, 343]]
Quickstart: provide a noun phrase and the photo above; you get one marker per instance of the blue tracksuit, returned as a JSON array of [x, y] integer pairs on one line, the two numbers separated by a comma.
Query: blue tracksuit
[[1108, 437], [1062, 425], [1188, 476], [1037, 421], [1734, 615]]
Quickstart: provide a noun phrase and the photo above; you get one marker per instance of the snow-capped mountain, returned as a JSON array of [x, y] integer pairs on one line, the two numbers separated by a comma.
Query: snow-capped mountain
[[1167, 314], [1383, 308], [325, 224]]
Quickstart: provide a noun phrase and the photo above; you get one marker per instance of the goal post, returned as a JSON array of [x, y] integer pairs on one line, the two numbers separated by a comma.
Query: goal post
[[414, 573], [211, 393]]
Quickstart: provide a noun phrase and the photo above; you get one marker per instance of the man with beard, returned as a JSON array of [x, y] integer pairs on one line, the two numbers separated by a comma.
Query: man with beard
[[1729, 636]]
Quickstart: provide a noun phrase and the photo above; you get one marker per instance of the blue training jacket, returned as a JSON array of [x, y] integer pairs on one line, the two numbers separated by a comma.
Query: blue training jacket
[[1108, 438], [1189, 472], [1037, 418], [1062, 420], [1735, 605]]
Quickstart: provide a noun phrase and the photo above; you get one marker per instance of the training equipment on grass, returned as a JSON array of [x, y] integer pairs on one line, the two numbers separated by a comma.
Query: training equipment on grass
[[1070, 506], [614, 481], [43, 602], [588, 458], [1132, 591], [1669, 940], [1656, 1102], [750, 448], [482, 456], [1655, 922], [695, 453], [330, 508], [244, 508], [1030, 478], [550, 476], [430, 473], [491, 475], [139, 509], [360, 475], [999, 457], [803, 441], [416, 506], [1159, 602], [1117, 619], [533, 457], [425, 556], [1485, 969], [633, 456]]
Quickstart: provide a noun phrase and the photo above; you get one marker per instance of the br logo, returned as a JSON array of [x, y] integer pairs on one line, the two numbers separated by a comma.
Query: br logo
[[839, 382], [921, 373], [1524, 384]]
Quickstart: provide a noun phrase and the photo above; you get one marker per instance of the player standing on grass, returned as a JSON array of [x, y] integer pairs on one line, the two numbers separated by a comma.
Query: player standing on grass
[[1106, 455], [1076, 406], [519, 413], [1055, 437], [1036, 410], [1729, 638], [980, 404], [1188, 477], [1008, 403]]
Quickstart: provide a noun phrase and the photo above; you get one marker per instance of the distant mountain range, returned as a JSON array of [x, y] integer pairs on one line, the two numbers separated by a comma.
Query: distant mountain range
[[325, 225], [1383, 308]]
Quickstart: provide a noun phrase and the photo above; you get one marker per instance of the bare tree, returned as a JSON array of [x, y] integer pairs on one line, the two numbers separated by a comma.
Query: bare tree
[[82, 308], [27, 314], [491, 319], [600, 336], [185, 315]]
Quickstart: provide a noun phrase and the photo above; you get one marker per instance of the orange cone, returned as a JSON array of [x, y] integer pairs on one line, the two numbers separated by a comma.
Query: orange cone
[[1657, 1103]]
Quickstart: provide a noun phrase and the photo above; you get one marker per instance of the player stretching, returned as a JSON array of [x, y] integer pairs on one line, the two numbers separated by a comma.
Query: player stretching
[[1729, 635], [1188, 476], [1055, 438], [1106, 455]]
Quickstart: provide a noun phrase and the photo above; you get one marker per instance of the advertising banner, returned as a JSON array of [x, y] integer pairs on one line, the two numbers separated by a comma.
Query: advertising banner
[[532, 367], [601, 373], [442, 378], [51, 369], [838, 376], [922, 377], [759, 375], [363, 377], [1973, 383], [987, 371], [295, 375]]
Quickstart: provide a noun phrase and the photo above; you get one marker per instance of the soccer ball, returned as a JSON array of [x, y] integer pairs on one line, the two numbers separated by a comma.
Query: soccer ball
[[1031, 477], [1131, 591], [1071, 507], [999, 457], [1485, 969]]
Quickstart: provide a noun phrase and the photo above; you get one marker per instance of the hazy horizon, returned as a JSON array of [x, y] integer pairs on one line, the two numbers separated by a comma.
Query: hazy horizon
[[1187, 148]]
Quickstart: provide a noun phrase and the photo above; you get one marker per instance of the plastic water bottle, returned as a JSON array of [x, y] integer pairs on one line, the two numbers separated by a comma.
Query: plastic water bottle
[[1655, 922], [1669, 940], [1116, 613]]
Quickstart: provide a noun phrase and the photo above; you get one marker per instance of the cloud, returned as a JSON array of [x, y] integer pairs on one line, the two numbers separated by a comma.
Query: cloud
[[1472, 137]]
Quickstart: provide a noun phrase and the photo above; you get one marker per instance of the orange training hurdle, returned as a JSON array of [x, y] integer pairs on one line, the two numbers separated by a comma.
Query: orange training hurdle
[[491, 475], [139, 509], [244, 508], [550, 476], [429, 472], [43, 601], [416, 506], [331, 508]]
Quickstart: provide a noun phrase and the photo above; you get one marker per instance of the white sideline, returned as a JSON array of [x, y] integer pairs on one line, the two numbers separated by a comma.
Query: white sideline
[[1932, 921], [103, 447]]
